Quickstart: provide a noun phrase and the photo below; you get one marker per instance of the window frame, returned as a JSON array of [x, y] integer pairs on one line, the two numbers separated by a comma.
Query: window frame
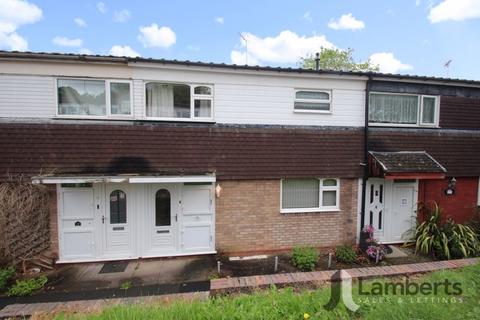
[[108, 102], [192, 117], [320, 207], [329, 101], [419, 111]]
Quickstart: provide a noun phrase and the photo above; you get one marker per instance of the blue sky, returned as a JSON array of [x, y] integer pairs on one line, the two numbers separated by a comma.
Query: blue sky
[[402, 36]]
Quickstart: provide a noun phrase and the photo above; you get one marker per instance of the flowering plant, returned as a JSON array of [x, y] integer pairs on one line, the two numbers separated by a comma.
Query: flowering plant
[[373, 246]]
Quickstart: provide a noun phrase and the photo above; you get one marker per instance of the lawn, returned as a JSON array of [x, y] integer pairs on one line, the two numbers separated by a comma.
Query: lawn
[[295, 304]]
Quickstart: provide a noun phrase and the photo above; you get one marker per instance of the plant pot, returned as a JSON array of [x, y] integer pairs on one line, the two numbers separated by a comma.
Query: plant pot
[[363, 243]]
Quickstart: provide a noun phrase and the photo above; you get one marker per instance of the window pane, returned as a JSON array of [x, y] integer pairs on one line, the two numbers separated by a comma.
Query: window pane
[[329, 182], [312, 106], [300, 193], [329, 199], [203, 108], [81, 97], [390, 108], [168, 100], [312, 95], [118, 207], [428, 112], [203, 90], [120, 98], [162, 208]]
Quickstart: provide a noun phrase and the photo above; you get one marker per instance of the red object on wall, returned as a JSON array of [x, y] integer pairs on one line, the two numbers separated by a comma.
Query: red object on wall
[[461, 206]]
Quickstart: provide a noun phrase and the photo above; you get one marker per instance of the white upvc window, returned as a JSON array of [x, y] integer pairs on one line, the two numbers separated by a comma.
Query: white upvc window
[[178, 101], [309, 195], [312, 101], [399, 109], [93, 98]]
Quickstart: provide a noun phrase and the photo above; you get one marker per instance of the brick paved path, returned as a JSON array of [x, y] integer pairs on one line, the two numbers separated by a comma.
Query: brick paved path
[[247, 283]]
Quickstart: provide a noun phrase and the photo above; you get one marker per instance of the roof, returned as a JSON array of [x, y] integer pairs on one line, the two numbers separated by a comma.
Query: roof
[[126, 60], [407, 162]]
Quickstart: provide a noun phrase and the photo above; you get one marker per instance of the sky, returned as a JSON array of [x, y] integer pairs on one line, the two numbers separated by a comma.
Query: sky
[[401, 36]]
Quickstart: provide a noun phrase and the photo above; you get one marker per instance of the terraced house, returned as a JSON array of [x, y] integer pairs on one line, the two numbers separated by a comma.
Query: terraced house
[[154, 158]]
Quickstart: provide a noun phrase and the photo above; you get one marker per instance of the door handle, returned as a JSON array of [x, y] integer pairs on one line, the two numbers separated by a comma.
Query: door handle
[[176, 218], [103, 219]]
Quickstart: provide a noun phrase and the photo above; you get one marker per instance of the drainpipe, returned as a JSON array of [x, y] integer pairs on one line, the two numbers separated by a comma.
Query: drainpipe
[[365, 154]]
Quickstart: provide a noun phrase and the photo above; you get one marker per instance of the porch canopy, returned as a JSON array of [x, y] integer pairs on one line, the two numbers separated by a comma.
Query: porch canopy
[[405, 165], [71, 179]]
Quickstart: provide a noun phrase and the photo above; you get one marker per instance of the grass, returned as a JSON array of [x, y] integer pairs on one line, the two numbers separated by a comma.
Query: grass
[[289, 304]]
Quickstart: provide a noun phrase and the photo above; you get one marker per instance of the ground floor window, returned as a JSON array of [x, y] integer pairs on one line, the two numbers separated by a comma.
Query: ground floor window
[[309, 195]]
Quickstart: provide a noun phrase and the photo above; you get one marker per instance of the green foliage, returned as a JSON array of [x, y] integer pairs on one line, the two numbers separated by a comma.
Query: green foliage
[[447, 240], [305, 258], [27, 287], [6, 274], [274, 304], [126, 285], [345, 254], [338, 60]]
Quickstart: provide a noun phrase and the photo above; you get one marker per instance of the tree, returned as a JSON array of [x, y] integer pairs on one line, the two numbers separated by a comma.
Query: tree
[[338, 60]]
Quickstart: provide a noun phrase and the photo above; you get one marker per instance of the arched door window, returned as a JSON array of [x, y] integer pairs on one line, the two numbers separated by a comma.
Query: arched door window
[[118, 207], [162, 208]]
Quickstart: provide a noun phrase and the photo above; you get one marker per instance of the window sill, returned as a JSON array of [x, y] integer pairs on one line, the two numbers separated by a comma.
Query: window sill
[[312, 111], [73, 117], [310, 210], [207, 120], [399, 125]]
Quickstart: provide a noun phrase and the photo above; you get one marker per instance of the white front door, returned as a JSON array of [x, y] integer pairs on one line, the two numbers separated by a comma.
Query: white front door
[[403, 212], [198, 218], [161, 219], [118, 222], [375, 205]]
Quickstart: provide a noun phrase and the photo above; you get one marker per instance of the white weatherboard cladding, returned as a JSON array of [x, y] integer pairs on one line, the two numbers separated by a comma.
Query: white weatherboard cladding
[[239, 97]]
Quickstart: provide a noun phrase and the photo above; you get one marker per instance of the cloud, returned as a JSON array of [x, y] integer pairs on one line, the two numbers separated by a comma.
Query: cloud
[[153, 36], [85, 51], [307, 16], [346, 22], [123, 51], [219, 20], [388, 63], [121, 16], [101, 7], [66, 42], [14, 14], [80, 22], [286, 47], [455, 10]]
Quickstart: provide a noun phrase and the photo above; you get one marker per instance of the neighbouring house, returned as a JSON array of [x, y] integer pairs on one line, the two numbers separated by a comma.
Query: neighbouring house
[[154, 158]]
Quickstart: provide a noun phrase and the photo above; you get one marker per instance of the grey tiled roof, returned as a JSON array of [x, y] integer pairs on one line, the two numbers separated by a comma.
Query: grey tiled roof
[[407, 161]]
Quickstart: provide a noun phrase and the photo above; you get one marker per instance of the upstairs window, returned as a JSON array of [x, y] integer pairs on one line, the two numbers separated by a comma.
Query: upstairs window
[[310, 195], [93, 98], [403, 109], [178, 101], [312, 101]]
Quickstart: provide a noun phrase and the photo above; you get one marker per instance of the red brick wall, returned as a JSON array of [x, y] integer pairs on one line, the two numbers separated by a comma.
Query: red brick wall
[[461, 206], [248, 219]]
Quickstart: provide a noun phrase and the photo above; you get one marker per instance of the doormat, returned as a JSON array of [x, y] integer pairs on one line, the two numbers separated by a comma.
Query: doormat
[[114, 266]]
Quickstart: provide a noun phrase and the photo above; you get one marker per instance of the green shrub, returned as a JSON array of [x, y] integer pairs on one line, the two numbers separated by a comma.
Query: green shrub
[[5, 275], [27, 287], [447, 240], [305, 258], [345, 254]]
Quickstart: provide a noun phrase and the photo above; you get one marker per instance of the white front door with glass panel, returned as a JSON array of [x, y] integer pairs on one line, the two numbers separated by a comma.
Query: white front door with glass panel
[[391, 208], [161, 219], [118, 220]]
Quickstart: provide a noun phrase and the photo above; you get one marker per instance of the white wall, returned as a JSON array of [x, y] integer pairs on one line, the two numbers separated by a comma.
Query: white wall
[[239, 97]]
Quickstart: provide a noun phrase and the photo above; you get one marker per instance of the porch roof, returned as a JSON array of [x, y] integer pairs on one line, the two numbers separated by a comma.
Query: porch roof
[[122, 179], [405, 165]]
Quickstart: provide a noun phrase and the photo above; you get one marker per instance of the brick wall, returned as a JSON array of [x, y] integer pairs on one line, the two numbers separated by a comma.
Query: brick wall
[[461, 206], [248, 219]]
